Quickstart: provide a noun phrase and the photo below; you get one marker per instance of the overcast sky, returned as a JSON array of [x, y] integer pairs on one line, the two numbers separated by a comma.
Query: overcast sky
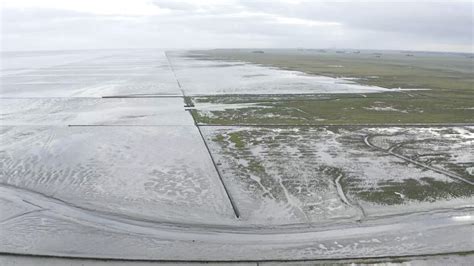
[[94, 24]]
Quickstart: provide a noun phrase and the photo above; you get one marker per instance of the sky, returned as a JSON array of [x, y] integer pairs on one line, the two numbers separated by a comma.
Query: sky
[[192, 24]]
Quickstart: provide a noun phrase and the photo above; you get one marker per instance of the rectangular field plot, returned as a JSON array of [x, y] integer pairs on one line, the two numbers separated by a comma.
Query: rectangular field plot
[[94, 111], [202, 76], [157, 173], [275, 177], [105, 74], [396, 107], [91, 89], [325, 174], [17, 62]]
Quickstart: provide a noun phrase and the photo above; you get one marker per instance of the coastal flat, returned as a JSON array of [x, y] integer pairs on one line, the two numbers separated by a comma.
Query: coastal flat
[[232, 155]]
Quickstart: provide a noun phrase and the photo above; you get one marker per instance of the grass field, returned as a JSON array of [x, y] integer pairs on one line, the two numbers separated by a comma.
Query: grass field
[[436, 88], [392, 69]]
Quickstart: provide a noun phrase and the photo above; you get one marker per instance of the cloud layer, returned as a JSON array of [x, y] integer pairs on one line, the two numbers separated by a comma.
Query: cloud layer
[[92, 24]]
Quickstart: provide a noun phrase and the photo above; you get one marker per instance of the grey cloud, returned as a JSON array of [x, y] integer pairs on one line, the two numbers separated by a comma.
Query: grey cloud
[[245, 23], [442, 20], [175, 5]]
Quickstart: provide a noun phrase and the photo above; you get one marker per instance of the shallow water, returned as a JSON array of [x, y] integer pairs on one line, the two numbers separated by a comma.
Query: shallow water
[[199, 77], [94, 111], [86, 74]]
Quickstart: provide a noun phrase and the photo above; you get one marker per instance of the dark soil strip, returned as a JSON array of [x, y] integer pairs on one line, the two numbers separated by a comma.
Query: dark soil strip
[[172, 70], [232, 203], [234, 207]]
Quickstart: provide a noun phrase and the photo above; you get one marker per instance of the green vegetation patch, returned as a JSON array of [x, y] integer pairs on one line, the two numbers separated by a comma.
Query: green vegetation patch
[[425, 189], [389, 69], [446, 80], [307, 161], [236, 138], [344, 109]]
